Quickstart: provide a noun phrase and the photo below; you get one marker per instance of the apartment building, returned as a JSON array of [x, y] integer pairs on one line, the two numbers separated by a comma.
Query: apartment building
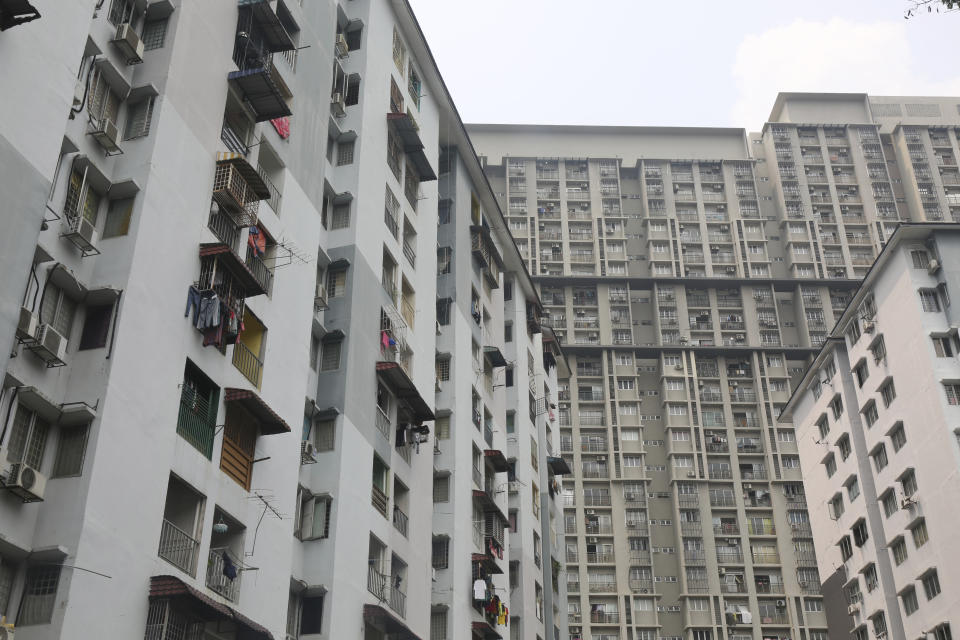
[[267, 463], [691, 275], [875, 416]]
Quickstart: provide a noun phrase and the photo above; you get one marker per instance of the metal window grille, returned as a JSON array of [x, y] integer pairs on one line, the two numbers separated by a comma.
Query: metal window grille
[[71, 451], [39, 595], [139, 116], [345, 153], [330, 360], [154, 34], [341, 216], [28, 439]]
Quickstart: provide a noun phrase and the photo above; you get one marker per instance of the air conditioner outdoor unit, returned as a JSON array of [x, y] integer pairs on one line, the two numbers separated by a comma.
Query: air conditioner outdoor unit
[[26, 482], [852, 609], [341, 47], [338, 107], [678, 367], [51, 346], [105, 132], [593, 539], [307, 452], [868, 326], [933, 266], [781, 604], [748, 486], [591, 512], [27, 326], [129, 44], [691, 474]]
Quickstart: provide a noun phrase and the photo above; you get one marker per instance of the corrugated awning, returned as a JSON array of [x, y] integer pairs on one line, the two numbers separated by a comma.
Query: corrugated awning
[[488, 503], [494, 355], [237, 267], [385, 622], [171, 587], [246, 170], [486, 561], [275, 34], [407, 129], [558, 466], [496, 459], [394, 375], [263, 91], [270, 422]]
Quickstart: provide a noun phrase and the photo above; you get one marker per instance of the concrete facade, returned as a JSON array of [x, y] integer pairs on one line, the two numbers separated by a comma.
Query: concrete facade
[[876, 420]]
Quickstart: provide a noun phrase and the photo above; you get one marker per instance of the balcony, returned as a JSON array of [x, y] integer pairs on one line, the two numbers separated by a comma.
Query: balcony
[[376, 583], [641, 585], [225, 228], [597, 557], [238, 189], [260, 84], [248, 363], [178, 548], [736, 586], [261, 272], [218, 564], [400, 520], [694, 557], [602, 587], [761, 529], [594, 529], [726, 529], [801, 529], [604, 617], [691, 528], [639, 556], [730, 557], [769, 587]]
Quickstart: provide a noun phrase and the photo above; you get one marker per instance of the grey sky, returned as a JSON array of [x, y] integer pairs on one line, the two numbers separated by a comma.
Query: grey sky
[[697, 62]]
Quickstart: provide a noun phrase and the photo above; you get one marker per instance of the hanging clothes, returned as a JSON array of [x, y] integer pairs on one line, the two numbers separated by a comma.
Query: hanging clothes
[[193, 300], [209, 314], [479, 589], [229, 569], [257, 240]]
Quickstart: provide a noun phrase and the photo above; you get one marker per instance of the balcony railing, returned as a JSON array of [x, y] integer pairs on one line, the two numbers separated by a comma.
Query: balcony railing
[[597, 529], [178, 548], [194, 422], [641, 585], [376, 583], [262, 273], [400, 520], [726, 529], [640, 556], [225, 228], [409, 253], [602, 587], [769, 587], [691, 528], [247, 363], [729, 557], [604, 617], [600, 557], [379, 500], [217, 580]]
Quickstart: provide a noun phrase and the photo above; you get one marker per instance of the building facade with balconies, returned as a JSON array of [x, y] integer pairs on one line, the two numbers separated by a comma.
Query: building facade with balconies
[[876, 426]]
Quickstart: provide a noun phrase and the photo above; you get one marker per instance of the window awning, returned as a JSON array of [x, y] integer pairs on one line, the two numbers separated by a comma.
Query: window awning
[[485, 630], [247, 171], [494, 355], [384, 621], [270, 422], [558, 466], [16, 12], [406, 128], [394, 375], [174, 588], [275, 35], [486, 561], [232, 263], [264, 91], [496, 459]]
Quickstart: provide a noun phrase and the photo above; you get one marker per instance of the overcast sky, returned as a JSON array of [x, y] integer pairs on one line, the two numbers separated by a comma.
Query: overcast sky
[[673, 62]]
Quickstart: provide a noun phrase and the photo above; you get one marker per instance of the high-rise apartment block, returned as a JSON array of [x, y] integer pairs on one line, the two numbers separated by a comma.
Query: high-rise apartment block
[[876, 419], [691, 275], [276, 367]]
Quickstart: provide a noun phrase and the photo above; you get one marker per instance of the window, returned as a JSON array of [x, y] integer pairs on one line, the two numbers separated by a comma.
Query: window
[[82, 200], [345, 152], [953, 392], [441, 552], [330, 359], [889, 500], [888, 392], [311, 614], [119, 214], [96, 326], [336, 283], [39, 595], [861, 373], [836, 506], [853, 489], [139, 115], [919, 533], [438, 625], [942, 347], [919, 258], [879, 350], [909, 483], [791, 462], [812, 605], [414, 85], [879, 456], [57, 309], [625, 384], [931, 583], [341, 216], [836, 406], [508, 332], [831, 465], [909, 597], [898, 436], [121, 11], [399, 51], [444, 257], [28, 438], [870, 414], [314, 352], [70, 451], [441, 488], [313, 520], [929, 300], [899, 549], [443, 369], [785, 435], [844, 445], [154, 34], [823, 426], [853, 333], [860, 533], [846, 549]]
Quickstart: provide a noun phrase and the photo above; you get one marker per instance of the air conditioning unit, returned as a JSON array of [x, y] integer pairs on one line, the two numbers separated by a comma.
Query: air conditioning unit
[[575, 617], [747, 486], [933, 266], [781, 604], [591, 512], [105, 132], [593, 539], [868, 326], [341, 46], [691, 474], [129, 44], [722, 571], [852, 609], [27, 326], [26, 482], [678, 367], [51, 346], [338, 106]]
